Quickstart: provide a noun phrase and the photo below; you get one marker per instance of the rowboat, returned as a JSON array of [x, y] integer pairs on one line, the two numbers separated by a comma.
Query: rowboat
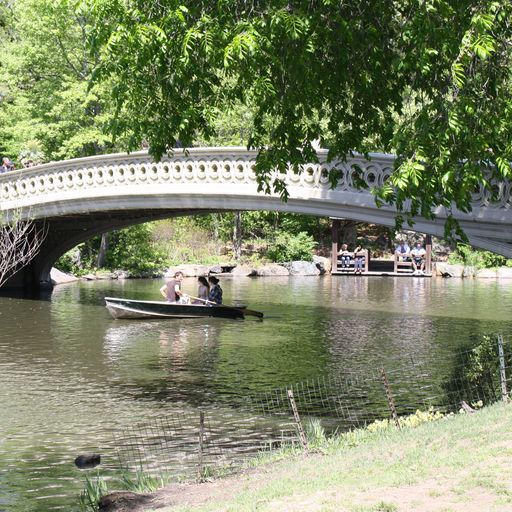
[[133, 309]]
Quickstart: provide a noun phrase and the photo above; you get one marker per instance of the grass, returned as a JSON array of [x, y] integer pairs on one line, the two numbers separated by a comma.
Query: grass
[[450, 464]]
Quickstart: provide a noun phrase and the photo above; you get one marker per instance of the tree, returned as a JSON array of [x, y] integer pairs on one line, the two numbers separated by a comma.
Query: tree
[[48, 99], [20, 241], [428, 80]]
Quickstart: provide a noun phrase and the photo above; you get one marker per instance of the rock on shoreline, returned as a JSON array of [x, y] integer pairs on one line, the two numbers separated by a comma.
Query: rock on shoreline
[[447, 270], [297, 268], [319, 266]]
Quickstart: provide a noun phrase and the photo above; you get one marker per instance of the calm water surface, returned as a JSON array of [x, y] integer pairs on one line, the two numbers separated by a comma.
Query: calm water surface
[[71, 376]]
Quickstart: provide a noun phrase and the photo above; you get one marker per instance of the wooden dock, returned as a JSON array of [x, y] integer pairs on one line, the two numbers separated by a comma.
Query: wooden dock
[[376, 267], [371, 273], [381, 268]]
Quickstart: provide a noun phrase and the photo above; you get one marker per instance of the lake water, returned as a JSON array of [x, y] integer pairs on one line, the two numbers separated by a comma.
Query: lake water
[[71, 376]]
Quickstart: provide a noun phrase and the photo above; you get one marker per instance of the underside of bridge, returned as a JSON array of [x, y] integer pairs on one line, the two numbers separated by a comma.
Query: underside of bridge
[[67, 231], [64, 233]]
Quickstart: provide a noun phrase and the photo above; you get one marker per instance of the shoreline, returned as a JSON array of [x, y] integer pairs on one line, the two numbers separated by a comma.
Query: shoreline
[[319, 267], [458, 462]]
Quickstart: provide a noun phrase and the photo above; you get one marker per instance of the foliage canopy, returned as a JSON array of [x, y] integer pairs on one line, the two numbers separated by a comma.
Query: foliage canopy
[[430, 81], [47, 98]]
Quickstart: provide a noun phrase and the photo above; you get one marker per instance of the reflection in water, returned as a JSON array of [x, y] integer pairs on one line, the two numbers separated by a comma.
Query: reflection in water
[[70, 375]]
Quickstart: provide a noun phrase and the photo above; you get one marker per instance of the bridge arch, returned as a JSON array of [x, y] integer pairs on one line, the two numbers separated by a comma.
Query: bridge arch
[[83, 197]]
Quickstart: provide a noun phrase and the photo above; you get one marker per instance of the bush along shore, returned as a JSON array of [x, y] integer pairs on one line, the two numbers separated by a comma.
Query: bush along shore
[[434, 462]]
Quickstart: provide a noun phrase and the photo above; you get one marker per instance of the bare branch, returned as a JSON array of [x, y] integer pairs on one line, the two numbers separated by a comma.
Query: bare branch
[[20, 242]]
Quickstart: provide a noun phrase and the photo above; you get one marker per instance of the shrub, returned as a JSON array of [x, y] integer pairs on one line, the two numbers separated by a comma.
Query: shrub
[[129, 249], [411, 420], [288, 247], [476, 374], [470, 257]]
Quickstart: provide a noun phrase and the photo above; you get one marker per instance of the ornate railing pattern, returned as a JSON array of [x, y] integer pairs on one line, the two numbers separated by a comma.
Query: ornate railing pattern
[[209, 166]]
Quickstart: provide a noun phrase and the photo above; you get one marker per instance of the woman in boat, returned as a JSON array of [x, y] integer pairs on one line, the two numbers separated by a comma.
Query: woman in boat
[[203, 290], [215, 294]]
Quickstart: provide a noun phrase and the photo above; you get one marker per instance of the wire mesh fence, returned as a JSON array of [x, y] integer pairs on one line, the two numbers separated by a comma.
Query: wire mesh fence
[[193, 444]]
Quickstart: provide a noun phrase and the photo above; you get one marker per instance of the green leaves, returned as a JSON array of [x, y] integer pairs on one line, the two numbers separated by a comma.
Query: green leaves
[[240, 47], [430, 81]]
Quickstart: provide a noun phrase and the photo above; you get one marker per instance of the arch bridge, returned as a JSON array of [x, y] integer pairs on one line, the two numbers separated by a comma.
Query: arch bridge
[[80, 198]]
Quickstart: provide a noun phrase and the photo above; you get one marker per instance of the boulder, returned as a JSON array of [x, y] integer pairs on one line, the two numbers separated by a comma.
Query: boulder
[[469, 272], [444, 269], [273, 269], [106, 276], [58, 277], [126, 501], [243, 271], [439, 269], [89, 277], [505, 272], [487, 273], [122, 274], [302, 268], [88, 460], [189, 270], [215, 269], [455, 270], [323, 264]]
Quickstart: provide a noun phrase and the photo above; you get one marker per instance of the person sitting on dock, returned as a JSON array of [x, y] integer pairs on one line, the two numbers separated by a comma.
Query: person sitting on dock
[[418, 258], [403, 251], [172, 289], [215, 294], [359, 255], [345, 256]]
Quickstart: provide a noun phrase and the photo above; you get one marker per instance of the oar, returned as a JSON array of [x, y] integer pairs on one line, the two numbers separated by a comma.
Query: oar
[[244, 311]]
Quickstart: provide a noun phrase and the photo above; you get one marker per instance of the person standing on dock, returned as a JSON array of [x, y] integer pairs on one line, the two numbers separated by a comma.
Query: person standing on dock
[[418, 258], [172, 289]]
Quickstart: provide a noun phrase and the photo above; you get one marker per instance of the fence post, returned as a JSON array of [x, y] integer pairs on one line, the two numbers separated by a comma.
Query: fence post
[[503, 376], [201, 446], [391, 402], [300, 428]]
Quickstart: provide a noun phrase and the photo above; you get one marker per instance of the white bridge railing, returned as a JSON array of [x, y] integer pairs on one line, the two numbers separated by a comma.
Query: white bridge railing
[[199, 166]]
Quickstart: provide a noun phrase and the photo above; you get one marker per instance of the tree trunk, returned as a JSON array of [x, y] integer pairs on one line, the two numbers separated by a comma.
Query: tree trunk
[[237, 236], [349, 232], [102, 254]]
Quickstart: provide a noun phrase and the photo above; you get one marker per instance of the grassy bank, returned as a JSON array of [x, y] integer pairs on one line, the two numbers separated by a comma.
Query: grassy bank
[[461, 463]]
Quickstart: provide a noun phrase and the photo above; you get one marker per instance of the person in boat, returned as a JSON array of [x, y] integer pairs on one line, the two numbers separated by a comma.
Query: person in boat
[[345, 256], [215, 294], [418, 258], [172, 289], [359, 255], [203, 290]]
